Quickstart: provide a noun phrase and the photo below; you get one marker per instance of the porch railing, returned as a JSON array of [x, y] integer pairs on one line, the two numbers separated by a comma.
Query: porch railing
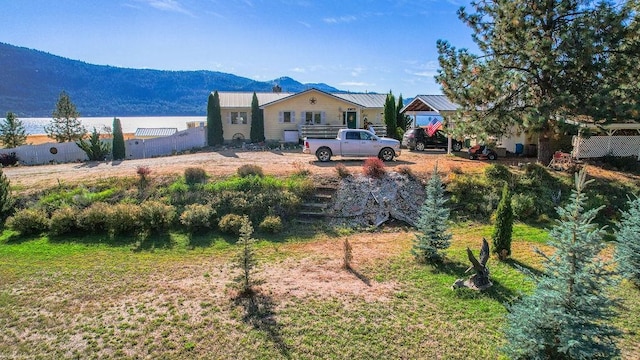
[[330, 131]]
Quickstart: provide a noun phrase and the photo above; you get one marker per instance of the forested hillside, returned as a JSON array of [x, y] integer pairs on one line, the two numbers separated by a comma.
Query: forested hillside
[[31, 80]]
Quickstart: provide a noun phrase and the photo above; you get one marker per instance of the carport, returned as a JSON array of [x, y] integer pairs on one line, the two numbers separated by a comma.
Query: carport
[[426, 105]]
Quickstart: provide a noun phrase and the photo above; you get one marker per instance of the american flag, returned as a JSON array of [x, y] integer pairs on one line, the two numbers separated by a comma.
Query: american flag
[[434, 125]]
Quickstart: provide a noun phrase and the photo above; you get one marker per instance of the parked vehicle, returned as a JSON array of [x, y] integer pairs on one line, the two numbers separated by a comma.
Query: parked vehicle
[[482, 152], [353, 143], [418, 139]]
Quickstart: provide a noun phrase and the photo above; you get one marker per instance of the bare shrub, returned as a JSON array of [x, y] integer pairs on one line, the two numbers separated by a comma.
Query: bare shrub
[[249, 170], [342, 171], [374, 168]]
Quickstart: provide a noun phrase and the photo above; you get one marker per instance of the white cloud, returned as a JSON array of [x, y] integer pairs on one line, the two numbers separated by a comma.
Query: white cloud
[[299, 70], [168, 5], [427, 69], [356, 83], [341, 19]]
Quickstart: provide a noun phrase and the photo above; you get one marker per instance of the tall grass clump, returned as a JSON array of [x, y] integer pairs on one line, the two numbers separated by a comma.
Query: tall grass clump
[[374, 167], [250, 170], [194, 176]]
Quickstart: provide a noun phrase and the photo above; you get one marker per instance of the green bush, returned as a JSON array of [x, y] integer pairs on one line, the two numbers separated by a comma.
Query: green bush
[[497, 172], [523, 206], [29, 221], [63, 221], [156, 216], [250, 170], [231, 224], [271, 224], [94, 219], [123, 219], [197, 217], [194, 175], [472, 197]]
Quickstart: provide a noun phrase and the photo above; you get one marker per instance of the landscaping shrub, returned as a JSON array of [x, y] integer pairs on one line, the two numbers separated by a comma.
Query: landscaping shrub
[[194, 175], [7, 201], [197, 217], [472, 197], [497, 172], [231, 224], [29, 221], [271, 224], [342, 171], [301, 169], [123, 219], [503, 227], [94, 219], [374, 168], [406, 171], [523, 206], [250, 170], [156, 216], [63, 221]]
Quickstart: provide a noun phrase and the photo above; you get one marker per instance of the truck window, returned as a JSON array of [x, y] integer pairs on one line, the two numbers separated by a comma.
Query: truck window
[[352, 135], [365, 136]]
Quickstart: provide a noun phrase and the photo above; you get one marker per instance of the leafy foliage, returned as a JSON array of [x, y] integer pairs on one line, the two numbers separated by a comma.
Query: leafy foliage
[[29, 221], [12, 132], [214, 120], [7, 201], [118, 148], [63, 221], [567, 316], [271, 224], [503, 226], [542, 62], [232, 223], [65, 125], [257, 121], [197, 217], [195, 175], [627, 253], [433, 233], [96, 149]]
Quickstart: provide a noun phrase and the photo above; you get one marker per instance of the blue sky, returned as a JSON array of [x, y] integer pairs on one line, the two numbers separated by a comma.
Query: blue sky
[[354, 45]]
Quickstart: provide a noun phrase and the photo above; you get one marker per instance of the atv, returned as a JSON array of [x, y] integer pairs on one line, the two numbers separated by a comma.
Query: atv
[[482, 152]]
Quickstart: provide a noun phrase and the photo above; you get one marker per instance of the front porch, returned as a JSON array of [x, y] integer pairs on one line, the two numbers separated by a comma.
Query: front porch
[[330, 131]]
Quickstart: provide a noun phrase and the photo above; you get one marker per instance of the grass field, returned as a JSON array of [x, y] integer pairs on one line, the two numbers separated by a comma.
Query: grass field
[[170, 297]]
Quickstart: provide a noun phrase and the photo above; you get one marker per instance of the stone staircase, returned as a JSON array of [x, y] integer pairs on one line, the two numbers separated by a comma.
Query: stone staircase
[[316, 207]]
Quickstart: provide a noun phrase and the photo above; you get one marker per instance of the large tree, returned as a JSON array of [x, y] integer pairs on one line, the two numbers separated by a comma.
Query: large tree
[[118, 149], [65, 125], [257, 121], [390, 115], [542, 62], [402, 120], [12, 132], [214, 120]]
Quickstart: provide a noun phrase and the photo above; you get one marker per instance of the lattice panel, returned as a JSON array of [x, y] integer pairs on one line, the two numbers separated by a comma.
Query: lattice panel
[[599, 146]]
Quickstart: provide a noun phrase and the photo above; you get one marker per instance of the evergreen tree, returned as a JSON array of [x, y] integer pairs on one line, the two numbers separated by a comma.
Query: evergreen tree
[[6, 200], [246, 259], [542, 62], [433, 233], [95, 149], [568, 315], [257, 121], [65, 125], [390, 115], [401, 119], [118, 148], [214, 120], [503, 227], [627, 253], [12, 132]]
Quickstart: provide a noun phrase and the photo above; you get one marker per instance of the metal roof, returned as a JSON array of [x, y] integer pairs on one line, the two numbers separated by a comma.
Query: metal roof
[[436, 103], [155, 132], [243, 99]]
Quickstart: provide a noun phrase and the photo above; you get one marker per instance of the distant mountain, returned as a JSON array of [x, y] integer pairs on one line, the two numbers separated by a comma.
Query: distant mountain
[[31, 81]]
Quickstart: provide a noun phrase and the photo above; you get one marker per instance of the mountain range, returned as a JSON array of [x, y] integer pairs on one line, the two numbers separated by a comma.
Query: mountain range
[[31, 82]]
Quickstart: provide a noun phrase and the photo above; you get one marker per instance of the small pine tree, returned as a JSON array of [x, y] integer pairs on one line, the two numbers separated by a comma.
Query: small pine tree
[[65, 125], [390, 115], [246, 259], [627, 253], [6, 200], [568, 315], [95, 149], [433, 233], [118, 148], [12, 132], [503, 227], [214, 120], [257, 121]]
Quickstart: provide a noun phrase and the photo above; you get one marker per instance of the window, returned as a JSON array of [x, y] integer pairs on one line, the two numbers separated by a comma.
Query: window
[[239, 117], [313, 117], [286, 117]]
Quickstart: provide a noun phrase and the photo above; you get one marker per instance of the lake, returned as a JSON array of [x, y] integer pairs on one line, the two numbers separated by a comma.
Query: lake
[[35, 126]]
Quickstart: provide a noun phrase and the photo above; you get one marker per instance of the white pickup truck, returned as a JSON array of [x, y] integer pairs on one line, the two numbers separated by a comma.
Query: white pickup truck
[[353, 143]]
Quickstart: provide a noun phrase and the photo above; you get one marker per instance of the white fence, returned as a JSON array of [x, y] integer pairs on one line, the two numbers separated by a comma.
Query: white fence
[[134, 149], [599, 146]]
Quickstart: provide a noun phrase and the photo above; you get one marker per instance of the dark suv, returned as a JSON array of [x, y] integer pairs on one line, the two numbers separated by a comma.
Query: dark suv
[[417, 139]]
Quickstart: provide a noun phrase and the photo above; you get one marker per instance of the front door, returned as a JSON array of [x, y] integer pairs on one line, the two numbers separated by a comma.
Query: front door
[[349, 119]]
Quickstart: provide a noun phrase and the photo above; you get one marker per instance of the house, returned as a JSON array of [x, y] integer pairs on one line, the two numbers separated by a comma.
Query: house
[[292, 116]]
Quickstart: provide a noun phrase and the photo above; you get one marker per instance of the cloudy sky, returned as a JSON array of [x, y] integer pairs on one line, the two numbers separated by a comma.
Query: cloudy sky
[[354, 45]]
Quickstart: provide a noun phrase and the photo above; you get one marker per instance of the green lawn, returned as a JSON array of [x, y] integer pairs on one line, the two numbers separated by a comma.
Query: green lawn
[[170, 297]]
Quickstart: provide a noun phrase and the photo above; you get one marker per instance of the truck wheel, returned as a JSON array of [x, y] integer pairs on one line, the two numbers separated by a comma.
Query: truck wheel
[[323, 154], [386, 154], [420, 146], [492, 156], [456, 147]]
